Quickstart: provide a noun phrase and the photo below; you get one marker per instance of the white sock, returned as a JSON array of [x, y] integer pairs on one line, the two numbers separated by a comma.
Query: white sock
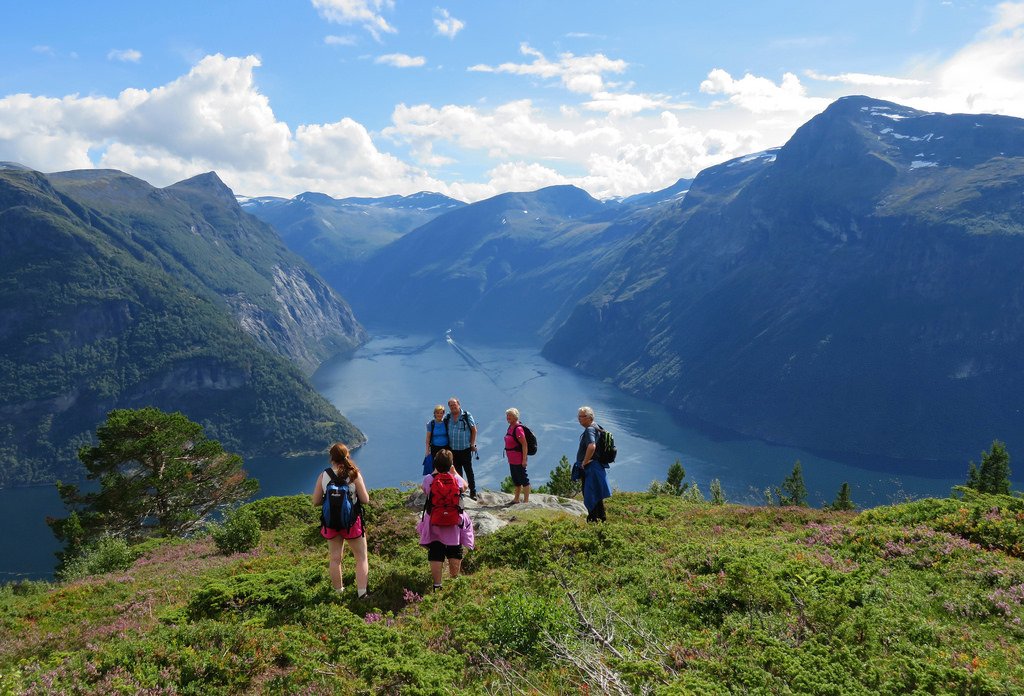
[[360, 592]]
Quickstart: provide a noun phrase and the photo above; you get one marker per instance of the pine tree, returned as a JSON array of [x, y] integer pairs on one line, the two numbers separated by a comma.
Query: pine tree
[[842, 501], [994, 474], [674, 480], [717, 494], [158, 476], [793, 491], [973, 477], [560, 482]]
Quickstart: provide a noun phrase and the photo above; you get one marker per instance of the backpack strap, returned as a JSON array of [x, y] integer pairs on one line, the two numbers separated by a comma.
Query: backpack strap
[[519, 446], [334, 477]]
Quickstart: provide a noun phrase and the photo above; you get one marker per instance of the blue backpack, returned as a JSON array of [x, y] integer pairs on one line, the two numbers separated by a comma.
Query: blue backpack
[[339, 510]]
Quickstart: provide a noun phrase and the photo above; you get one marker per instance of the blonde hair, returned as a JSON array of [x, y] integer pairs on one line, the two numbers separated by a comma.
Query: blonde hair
[[340, 457], [438, 407]]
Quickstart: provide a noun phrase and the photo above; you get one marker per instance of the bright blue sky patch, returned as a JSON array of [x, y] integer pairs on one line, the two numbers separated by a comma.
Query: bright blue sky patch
[[470, 98]]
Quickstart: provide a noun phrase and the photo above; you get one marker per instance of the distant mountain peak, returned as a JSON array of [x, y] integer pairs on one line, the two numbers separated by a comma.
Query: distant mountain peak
[[208, 184]]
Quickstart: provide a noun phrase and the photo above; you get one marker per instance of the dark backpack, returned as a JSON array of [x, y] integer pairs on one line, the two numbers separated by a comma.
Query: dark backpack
[[447, 423], [606, 452], [531, 441], [339, 510], [443, 501]]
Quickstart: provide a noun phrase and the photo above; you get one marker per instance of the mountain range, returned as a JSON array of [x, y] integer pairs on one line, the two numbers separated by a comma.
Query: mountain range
[[118, 294], [855, 291], [336, 235], [858, 290], [510, 268]]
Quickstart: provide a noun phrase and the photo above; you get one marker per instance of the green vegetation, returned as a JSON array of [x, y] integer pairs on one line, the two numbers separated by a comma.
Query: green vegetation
[[138, 301], [843, 500], [994, 474], [560, 481], [667, 597], [158, 476], [792, 491]]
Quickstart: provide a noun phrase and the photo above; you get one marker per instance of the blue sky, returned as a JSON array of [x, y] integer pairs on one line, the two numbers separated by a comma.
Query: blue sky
[[471, 98]]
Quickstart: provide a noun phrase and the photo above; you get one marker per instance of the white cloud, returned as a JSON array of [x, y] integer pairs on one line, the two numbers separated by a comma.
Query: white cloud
[[524, 176], [608, 138], [127, 55], [46, 50], [401, 60], [514, 129], [864, 79], [759, 95], [446, 25], [1009, 16], [212, 118], [333, 40], [366, 13], [579, 74], [987, 75], [625, 104]]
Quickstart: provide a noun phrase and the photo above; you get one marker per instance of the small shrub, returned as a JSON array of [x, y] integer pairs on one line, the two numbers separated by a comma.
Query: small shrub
[[275, 511], [106, 555], [517, 622], [276, 591], [240, 532]]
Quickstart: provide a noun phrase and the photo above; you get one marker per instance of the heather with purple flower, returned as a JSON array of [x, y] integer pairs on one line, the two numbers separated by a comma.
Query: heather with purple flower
[[924, 595]]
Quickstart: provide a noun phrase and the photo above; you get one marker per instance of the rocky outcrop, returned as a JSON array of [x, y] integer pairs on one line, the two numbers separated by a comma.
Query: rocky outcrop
[[492, 510]]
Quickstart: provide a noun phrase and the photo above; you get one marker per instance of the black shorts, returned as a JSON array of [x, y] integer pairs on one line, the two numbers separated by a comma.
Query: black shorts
[[436, 551], [519, 475]]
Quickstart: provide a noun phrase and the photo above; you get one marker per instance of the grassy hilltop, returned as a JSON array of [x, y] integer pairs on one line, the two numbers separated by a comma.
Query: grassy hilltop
[[668, 597]]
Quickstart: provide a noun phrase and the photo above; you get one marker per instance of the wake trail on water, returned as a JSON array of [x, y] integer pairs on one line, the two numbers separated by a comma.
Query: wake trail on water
[[470, 360]]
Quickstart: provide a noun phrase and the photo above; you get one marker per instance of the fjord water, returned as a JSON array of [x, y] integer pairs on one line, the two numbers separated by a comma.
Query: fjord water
[[389, 387]]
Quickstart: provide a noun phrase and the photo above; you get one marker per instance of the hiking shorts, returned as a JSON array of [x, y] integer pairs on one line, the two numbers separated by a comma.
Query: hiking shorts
[[519, 475], [438, 551]]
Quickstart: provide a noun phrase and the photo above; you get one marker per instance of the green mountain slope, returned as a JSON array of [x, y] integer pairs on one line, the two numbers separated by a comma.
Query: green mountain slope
[[197, 232], [668, 597], [510, 268], [857, 291], [109, 307], [337, 235]]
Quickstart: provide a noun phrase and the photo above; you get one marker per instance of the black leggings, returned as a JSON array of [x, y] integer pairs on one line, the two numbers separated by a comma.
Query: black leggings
[[464, 463]]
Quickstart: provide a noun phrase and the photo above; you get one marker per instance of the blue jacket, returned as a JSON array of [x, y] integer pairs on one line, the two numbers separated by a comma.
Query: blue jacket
[[595, 484]]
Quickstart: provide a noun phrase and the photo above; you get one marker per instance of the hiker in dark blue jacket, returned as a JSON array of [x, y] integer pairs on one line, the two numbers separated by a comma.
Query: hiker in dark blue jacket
[[594, 478]]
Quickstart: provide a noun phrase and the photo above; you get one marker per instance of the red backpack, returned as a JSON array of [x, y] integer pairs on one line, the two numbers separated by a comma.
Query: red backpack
[[443, 503]]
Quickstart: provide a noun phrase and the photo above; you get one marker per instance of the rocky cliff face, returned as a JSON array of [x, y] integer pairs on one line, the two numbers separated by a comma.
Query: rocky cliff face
[[115, 294], [200, 234], [859, 290]]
